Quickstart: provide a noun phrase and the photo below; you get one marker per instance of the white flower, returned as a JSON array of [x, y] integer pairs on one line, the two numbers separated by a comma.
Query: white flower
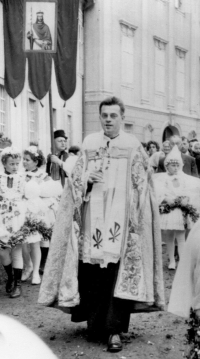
[[33, 150], [11, 150]]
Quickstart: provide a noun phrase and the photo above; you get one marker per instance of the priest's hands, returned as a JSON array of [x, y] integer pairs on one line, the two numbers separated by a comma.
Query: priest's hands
[[95, 176]]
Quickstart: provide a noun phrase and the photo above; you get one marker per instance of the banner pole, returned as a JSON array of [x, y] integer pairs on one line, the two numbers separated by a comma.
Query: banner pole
[[51, 121]]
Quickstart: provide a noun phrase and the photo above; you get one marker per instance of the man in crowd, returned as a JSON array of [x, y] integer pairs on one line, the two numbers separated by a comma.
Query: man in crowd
[[112, 201], [184, 146], [40, 35], [189, 165], [55, 161]]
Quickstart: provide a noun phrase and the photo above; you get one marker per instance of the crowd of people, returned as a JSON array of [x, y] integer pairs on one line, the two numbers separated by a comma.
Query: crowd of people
[[29, 201], [93, 222]]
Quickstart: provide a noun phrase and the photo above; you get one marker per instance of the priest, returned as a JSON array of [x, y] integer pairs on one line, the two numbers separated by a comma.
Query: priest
[[105, 259]]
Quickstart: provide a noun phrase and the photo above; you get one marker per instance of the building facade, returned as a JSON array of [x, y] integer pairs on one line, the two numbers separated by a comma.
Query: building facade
[[145, 51], [148, 53]]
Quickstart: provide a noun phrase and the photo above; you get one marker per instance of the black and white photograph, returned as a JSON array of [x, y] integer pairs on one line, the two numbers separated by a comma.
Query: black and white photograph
[[99, 179]]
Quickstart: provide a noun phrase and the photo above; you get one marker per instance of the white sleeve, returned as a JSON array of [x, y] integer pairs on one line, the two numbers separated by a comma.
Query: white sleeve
[[69, 164]]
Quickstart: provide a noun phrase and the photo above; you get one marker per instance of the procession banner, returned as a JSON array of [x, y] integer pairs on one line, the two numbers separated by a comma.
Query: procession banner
[[40, 31]]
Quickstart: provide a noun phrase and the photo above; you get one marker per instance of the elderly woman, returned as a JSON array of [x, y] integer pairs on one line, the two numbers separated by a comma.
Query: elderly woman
[[178, 197]]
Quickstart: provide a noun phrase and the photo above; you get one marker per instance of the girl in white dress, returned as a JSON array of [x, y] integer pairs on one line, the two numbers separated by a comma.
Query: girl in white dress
[[12, 218], [41, 206], [177, 195]]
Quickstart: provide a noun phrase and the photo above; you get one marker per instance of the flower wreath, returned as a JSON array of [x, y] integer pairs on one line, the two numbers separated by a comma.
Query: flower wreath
[[186, 208], [31, 226]]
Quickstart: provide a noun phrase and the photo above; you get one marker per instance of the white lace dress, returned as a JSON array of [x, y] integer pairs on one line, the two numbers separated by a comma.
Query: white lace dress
[[12, 206], [42, 198]]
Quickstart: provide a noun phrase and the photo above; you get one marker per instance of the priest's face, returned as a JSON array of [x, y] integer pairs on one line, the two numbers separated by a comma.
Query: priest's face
[[111, 119]]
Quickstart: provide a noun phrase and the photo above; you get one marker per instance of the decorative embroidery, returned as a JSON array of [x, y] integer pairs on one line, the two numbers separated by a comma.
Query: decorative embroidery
[[98, 239], [77, 181], [115, 233], [132, 272]]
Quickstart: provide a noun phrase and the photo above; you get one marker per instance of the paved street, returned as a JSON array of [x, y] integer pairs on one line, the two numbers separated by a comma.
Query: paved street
[[154, 335]]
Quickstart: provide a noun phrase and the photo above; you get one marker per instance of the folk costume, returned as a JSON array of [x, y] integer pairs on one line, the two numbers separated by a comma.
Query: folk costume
[[42, 196], [12, 207], [12, 218], [112, 229], [181, 191]]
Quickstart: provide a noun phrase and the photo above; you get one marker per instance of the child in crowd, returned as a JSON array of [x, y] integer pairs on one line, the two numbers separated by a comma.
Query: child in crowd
[[12, 218], [42, 201]]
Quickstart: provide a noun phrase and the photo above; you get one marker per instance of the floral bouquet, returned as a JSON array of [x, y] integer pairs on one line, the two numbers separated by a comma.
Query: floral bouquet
[[181, 202]]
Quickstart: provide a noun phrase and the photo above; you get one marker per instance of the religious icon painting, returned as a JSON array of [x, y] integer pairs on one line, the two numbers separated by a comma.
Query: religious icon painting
[[40, 26]]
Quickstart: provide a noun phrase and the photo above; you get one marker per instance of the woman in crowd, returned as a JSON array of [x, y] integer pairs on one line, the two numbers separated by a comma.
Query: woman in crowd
[[12, 218], [157, 156], [41, 206], [152, 147], [178, 197]]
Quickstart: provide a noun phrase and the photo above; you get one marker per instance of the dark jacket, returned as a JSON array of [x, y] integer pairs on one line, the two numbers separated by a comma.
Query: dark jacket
[[189, 165], [197, 159], [60, 173]]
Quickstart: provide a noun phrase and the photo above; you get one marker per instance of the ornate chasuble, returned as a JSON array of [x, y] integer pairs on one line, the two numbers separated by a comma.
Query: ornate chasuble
[[106, 214]]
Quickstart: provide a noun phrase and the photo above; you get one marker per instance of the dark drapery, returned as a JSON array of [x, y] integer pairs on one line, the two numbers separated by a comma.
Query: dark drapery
[[40, 64], [15, 59], [65, 58]]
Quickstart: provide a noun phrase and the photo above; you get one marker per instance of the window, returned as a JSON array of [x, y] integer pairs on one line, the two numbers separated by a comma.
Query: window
[[2, 110], [180, 73], [127, 60], [33, 135], [128, 127], [160, 63]]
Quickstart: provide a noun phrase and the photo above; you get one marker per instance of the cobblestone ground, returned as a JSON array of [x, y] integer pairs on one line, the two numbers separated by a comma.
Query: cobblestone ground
[[153, 335]]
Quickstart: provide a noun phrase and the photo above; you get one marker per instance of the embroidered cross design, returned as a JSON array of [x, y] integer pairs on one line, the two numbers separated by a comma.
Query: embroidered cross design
[[115, 233], [97, 238]]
